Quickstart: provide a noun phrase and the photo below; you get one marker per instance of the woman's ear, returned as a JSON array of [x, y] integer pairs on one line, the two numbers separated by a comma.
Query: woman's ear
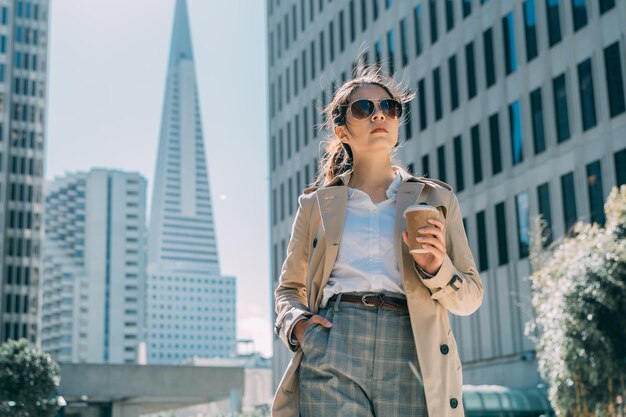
[[340, 132]]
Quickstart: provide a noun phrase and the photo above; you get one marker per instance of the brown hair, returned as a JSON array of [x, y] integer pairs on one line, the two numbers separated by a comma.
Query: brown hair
[[337, 158]]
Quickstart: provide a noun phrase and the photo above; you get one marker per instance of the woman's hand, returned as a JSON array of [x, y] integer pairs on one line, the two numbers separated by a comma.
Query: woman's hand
[[433, 239], [300, 327]]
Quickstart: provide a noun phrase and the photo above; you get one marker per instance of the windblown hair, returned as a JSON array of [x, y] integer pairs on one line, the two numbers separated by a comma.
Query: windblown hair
[[337, 158]]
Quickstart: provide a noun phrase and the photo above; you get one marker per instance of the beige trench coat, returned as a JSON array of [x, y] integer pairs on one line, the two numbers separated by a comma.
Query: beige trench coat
[[312, 251]]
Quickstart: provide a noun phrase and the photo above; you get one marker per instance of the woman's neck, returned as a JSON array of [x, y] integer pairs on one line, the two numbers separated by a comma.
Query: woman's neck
[[371, 175]]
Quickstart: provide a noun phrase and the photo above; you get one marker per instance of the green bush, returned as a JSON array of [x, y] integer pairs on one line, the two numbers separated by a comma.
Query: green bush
[[28, 381], [579, 296]]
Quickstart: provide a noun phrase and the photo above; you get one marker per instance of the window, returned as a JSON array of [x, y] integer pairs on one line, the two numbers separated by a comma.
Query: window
[[375, 9], [378, 53], [408, 129], [305, 125], [596, 198], [290, 188], [481, 227], [441, 163], [449, 15], [585, 88], [467, 7], [454, 89], [515, 126], [303, 65], [614, 80], [536, 111], [476, 154], [620, 167], [363, 16], [437, 93], [579, 14], [425, 166], [458, 163], [543, 196], [342, 32], [490, 62], [322, 54], [274, 207], [494, 133], [560, 108], [530, 29], [432, 9], [471, 70], [421, 93], [403, 43], [281, 147], [312, 52], [417, 22], [294, 23], [568, 197], [503, 249], [352, 24], [297, 133], [390, 52], [554, 22], [521, 211], [331, 40], [605, 5], [273, 152], [508, 32]]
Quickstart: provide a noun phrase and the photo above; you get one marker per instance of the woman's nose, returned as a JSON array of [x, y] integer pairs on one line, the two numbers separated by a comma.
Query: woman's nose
[[378, 112]]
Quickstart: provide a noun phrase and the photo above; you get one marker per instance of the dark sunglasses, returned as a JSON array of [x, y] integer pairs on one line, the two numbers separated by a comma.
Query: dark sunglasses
[[362, 109]]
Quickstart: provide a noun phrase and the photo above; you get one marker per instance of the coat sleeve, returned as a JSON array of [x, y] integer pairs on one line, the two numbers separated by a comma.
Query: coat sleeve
[[457, 285], [290, 295]]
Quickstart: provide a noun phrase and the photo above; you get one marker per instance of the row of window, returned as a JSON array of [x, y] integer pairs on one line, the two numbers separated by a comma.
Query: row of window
[[26, 61], [18, 247], [595, 194], [28, 36], [28, 113], [26, 166], [24, 86], [25, 139], [18, 274], [579, 9], [15, 331], [27, 10], [15, 303]]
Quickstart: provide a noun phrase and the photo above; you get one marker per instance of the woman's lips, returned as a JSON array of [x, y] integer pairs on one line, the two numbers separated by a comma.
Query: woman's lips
[[379, 129]]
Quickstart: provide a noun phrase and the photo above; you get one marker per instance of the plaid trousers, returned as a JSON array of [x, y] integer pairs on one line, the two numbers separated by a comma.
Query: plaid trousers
[[364, 366]]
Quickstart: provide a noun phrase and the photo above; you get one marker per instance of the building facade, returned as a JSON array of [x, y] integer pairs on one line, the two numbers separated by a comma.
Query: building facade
[[23, 97], [520, 106], [93, 278], [191, 306]]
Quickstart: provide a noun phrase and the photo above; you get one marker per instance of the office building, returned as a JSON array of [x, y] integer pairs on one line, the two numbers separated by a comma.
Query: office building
[[520, 107]]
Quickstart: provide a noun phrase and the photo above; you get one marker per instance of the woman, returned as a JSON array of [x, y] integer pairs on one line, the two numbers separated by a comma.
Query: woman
[[367, 319]]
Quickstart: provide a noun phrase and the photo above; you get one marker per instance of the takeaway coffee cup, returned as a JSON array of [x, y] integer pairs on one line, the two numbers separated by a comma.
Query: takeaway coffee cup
[[417, 217]]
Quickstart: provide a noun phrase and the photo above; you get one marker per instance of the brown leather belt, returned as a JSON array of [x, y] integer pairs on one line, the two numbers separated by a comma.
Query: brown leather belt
[[375, 300]]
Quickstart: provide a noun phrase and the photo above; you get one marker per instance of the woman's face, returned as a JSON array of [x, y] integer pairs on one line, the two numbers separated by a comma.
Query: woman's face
[[375, 133]]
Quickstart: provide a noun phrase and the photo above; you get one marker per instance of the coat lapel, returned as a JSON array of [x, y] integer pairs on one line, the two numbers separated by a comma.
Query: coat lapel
[[332, 202]]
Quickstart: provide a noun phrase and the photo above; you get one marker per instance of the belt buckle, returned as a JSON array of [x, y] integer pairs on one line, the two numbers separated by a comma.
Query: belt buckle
[[378, 296]]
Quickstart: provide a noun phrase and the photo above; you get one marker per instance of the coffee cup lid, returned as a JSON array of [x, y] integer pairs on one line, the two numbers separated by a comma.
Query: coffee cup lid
[[417, 207]]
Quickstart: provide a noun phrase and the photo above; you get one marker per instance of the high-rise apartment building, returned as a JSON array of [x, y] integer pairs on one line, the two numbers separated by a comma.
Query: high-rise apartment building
[[23, 94], [191, 307], [93, 279], [520, 106]]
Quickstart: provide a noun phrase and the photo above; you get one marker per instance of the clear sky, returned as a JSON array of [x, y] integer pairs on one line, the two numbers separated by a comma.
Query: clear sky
[[107, 63]]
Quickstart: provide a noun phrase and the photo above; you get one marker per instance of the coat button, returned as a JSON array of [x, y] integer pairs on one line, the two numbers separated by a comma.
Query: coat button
[[454, 403], [444, 349], [315, 242]]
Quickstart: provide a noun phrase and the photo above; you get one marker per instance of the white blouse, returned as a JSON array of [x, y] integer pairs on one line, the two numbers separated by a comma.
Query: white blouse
[[366, 261]]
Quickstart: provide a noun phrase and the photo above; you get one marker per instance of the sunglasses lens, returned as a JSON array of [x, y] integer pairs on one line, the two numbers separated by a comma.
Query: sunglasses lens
[[391, 108], [362, 109]]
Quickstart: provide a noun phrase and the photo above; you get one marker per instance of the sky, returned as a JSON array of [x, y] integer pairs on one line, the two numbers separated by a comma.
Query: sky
[[107, 69]]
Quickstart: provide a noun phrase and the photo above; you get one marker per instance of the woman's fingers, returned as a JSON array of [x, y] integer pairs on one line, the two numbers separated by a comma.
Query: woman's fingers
[[317, 319]]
